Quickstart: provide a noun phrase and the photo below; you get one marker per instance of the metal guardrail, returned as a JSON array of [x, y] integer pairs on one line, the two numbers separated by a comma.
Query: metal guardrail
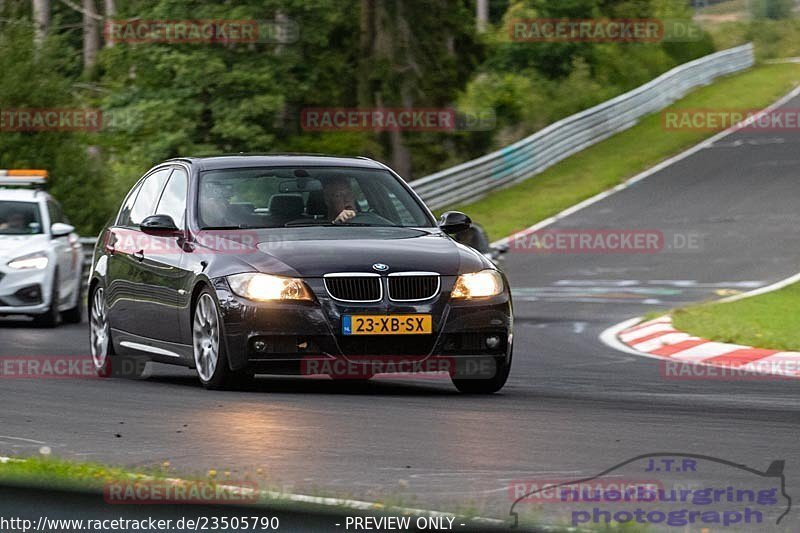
[[524, 159], [532, 155], [88, 248]]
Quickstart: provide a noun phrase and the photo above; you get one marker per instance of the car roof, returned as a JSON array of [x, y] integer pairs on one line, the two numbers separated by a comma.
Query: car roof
[[266, 160], [22, 195]]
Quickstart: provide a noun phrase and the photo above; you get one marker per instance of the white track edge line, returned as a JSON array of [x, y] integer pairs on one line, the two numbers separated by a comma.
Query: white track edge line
[[652, 170], [330, 501], [762, 290], [610, 336]]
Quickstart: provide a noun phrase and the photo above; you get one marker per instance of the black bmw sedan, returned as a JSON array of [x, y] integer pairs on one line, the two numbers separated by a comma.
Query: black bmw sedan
[[287, 264]]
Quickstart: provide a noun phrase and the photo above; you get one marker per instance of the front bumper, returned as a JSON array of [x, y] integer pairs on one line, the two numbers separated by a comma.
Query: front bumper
[[25, 292], [296, 338]]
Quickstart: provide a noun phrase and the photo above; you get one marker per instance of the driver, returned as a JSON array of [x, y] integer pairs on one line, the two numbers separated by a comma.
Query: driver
[[215, 204], [16, 222], [340, 200]]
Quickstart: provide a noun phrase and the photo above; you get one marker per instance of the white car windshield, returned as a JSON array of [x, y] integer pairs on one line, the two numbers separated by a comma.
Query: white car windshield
[[19, 218]]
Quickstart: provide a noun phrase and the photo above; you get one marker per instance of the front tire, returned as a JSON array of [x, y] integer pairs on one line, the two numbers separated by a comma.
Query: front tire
[[210, 356], [74, 315], [51, 317], [485, 386]]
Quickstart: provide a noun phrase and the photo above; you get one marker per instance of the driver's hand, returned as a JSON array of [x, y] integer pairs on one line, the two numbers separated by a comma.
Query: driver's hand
[[344, 216]]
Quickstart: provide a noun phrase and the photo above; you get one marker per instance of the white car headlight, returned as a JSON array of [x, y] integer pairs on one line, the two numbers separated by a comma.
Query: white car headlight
[[478, 285], [35, 261], [267, 288]]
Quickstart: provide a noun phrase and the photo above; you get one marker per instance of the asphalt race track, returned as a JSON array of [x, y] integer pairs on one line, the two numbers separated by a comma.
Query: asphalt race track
[[573, 406]]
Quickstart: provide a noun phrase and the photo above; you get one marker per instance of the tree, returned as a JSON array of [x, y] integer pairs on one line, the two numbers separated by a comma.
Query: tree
[[91, 36], [772, 9], [413, 60], [41, 19], [482, 14]]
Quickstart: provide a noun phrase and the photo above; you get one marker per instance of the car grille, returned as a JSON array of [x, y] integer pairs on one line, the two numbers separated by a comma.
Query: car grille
[[363, 288], [412, 287]]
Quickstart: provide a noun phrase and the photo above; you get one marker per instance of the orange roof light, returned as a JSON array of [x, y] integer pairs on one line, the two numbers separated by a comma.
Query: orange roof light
[[23, 177], [27, 173]]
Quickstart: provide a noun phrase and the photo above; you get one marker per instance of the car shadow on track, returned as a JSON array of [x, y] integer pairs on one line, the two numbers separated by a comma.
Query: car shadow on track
[[301, 385], [18, 323]]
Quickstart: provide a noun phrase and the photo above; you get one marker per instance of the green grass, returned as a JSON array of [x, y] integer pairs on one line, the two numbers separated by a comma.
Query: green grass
[[725, 8], [51, 472], [622, 156], [773, 39], [765, 321], [47, 472]]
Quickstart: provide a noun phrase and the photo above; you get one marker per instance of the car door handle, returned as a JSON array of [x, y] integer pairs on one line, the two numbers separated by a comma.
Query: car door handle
[[139, 256]]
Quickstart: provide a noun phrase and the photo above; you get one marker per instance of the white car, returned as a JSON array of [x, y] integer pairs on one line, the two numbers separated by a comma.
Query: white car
[[40, 254]]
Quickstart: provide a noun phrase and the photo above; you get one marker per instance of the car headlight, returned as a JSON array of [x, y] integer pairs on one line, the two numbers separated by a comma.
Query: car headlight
[[35, 261], [267, 288], [478, 285]]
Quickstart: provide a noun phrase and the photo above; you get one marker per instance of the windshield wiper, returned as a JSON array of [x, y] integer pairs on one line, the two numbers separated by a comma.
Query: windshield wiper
[[332, 225], [240, 226], [309, 224], [365, 225]]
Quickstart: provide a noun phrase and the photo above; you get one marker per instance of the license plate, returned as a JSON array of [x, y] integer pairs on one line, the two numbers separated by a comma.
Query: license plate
[[387, 325]]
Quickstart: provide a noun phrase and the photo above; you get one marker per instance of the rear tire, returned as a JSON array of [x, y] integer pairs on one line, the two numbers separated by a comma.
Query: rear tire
[[210, 355], [107, 363], [102, 347]]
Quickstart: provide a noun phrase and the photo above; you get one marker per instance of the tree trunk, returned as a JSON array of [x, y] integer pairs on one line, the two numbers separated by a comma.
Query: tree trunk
[[366, 41], [41, 18], [111, 12], [482, 15], [91, 37]]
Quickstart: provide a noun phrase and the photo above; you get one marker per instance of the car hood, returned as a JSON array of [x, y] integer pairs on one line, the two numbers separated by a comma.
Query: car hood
[[313, 252], [12, 246]]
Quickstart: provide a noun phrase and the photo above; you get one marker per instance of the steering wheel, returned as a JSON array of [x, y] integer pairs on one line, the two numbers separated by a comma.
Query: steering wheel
[[368, 217]]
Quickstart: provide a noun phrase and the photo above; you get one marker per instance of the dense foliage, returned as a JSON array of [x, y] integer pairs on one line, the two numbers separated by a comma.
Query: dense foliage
[[169, 99]]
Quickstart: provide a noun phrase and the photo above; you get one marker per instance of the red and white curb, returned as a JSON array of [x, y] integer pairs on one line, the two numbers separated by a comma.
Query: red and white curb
[[659, 339]]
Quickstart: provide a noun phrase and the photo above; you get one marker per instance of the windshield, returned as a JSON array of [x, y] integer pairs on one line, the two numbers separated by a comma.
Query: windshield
[[291, 197], [19, 218]]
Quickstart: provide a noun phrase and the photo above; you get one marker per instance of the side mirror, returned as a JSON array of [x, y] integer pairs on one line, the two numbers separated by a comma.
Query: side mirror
[[454, 222], [59, 229], [161, 225]]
